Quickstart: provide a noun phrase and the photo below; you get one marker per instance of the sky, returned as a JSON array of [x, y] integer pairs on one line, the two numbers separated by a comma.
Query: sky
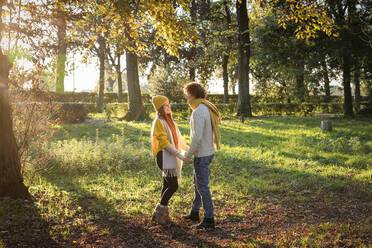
[[85, 76]]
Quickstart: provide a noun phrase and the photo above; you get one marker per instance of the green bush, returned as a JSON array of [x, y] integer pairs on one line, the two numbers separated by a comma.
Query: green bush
[[167, 82], [303, 109], [80, 97], [275, 109], [307, 108], [70, 112], [323, 98], [329, 108], [218, 98], [67, 112], [226, 109], [115, 109]]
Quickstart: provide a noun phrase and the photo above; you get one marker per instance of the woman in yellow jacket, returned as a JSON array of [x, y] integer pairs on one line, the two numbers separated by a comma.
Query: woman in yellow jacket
[[167, 146]]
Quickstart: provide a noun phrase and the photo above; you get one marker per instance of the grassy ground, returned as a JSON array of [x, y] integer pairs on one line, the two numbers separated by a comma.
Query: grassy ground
[[275, 182]]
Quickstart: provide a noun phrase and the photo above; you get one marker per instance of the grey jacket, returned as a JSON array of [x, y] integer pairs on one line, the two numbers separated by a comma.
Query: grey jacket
[[201, 133]]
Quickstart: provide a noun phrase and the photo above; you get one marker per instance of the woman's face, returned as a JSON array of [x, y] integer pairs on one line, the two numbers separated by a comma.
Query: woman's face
[[167, 108]]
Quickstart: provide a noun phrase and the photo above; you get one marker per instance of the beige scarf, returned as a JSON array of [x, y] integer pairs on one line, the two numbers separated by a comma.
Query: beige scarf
[[215, 118]]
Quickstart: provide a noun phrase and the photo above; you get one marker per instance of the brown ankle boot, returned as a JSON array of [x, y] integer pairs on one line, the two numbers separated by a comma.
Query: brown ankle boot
[[166, 215], [160, 214]]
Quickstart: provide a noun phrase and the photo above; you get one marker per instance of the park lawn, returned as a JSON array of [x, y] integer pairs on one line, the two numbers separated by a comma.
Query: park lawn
[[277, 181]]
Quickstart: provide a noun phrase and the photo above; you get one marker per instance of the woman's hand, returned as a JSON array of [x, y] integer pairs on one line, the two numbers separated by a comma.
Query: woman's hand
[[187, 161]]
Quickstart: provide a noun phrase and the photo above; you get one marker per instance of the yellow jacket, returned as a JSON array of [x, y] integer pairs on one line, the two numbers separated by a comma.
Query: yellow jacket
[[159, 138]]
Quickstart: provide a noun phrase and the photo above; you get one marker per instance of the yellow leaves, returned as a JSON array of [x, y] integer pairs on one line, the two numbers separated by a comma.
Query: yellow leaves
[[310, 17], [129, 26], [102, 10]]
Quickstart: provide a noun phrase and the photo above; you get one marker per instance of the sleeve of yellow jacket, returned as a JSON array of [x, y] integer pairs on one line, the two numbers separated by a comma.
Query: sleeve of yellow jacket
[[160, 138]]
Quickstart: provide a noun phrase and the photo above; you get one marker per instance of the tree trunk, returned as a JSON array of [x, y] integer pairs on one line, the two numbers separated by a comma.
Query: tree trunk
[[192, 73], [191, 54], [120, 81], [134, 91], [244, 105], [326, 125], [225, 61], [233, 89], [326, 81], [357, 86], [61, 52], [348, 102], [11, 179], [300, 86], [102, 56], [225, 58]]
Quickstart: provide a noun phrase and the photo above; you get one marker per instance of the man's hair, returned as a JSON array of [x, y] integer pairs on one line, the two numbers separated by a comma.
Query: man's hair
[[196, 89]]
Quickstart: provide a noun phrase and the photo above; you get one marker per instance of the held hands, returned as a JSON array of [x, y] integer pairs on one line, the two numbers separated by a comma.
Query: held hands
[[187, 161]]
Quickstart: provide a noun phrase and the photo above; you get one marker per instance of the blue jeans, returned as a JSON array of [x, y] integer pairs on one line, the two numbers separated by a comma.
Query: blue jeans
[[201, 184]]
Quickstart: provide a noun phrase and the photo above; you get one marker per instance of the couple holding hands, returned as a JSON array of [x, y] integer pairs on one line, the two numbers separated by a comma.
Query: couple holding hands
[[168, 144]]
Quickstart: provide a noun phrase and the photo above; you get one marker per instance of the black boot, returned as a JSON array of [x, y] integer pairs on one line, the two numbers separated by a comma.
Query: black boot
[[208, 223], [193, 216]]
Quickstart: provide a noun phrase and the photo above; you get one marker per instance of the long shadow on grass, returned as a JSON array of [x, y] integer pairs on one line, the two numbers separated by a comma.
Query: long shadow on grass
[[21, 225], [249, 139], [134, 231], [284, 122], [230, 137], [292, 183], [288, 200], [108, 226], [279, 123], [335, 159]]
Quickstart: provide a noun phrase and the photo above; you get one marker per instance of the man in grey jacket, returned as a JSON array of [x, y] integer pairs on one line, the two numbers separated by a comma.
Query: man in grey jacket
[[202, 148]]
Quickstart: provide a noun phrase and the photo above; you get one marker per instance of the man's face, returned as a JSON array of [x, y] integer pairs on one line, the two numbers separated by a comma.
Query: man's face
[[189, 97]]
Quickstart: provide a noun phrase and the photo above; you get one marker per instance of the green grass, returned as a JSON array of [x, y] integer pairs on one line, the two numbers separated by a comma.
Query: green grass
[[271, 174]]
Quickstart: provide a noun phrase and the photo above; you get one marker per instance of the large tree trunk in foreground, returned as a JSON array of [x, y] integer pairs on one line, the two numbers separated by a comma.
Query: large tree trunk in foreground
[[134, 91], [348, 101], [244, 105], [11, 180]]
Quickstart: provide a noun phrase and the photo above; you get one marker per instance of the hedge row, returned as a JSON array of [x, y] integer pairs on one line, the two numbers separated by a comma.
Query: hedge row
[[294, 108], [60, 112], [79, 97], [111, 97], [67, 112], [229, 110]]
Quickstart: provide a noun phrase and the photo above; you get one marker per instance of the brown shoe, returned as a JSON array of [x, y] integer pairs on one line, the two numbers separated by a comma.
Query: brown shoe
[[161, 214], [166, 215], [193, 216]]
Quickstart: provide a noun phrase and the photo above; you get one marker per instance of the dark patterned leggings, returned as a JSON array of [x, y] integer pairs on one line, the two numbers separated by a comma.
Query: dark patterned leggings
[[170, 184]]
